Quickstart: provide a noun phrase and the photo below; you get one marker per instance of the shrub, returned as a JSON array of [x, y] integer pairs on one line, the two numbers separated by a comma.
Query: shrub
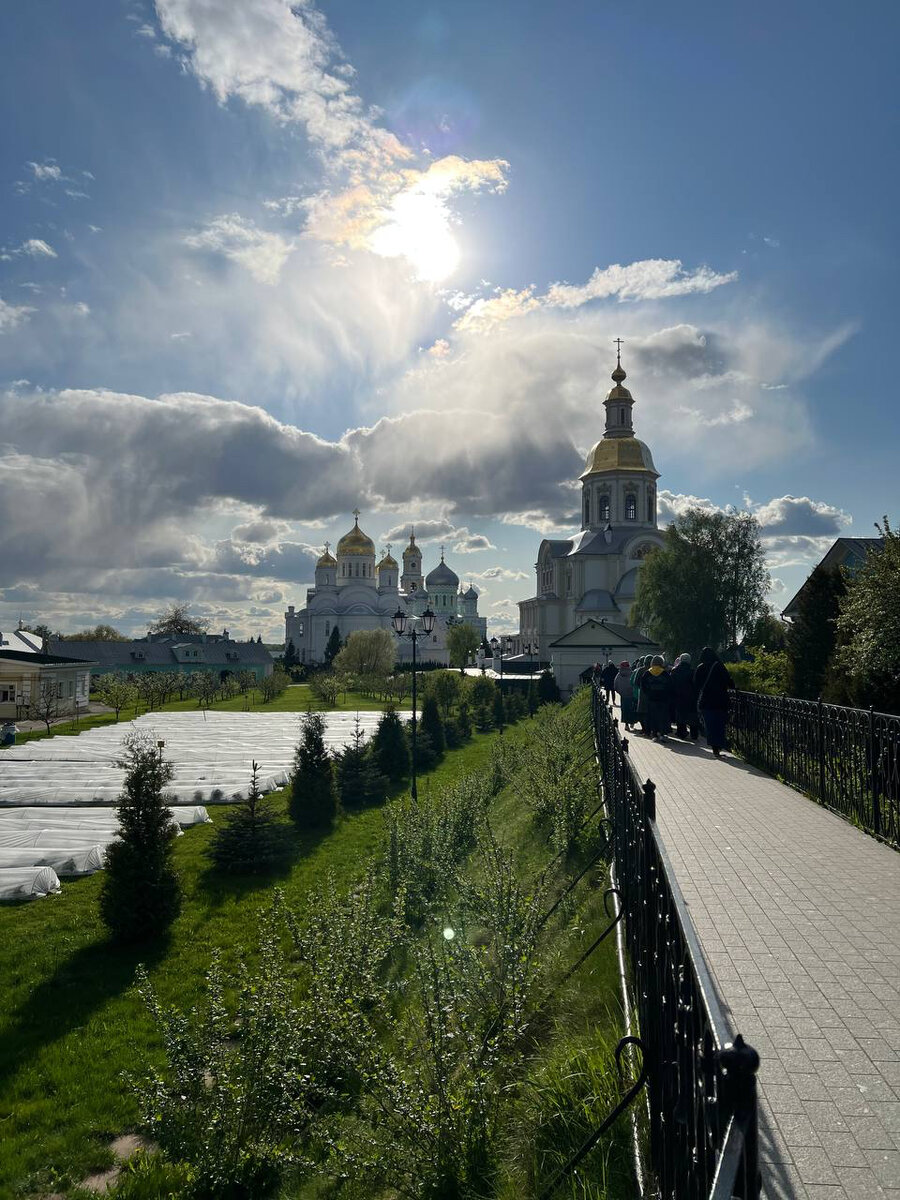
[[547, 689], [389, 746], [234, 1095], [326, 687], [140, 895], [313, 803], [250, 839]]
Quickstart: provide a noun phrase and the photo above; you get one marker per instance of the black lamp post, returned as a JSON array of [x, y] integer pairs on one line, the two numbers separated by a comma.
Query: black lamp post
[[497, 647], [400, 622]]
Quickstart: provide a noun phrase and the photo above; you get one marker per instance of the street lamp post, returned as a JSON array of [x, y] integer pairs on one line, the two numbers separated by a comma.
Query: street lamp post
[[400, 622], [497, 647]]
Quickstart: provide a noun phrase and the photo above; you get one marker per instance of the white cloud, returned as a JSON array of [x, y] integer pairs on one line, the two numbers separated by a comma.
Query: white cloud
[[13, 315], [262, 254], [47, 170], [652, 279], [37, 248]]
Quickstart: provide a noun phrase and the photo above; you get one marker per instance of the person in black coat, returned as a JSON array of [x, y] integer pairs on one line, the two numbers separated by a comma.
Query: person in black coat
[[713, 682], [685, 698], [656, 687], [608, 678]]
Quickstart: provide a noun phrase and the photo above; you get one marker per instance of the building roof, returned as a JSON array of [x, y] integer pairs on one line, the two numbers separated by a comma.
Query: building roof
[[161, 653], [442, 576], [844, 552], [387, 561], [355, 542], [597, 600], [620, 454], [45, 660], [602, 635]]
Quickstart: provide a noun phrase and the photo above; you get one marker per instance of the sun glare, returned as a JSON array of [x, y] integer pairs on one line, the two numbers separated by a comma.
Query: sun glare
[[418, 229]]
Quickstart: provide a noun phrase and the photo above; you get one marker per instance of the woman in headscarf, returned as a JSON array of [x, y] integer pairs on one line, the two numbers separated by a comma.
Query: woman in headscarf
[[657, 687], [684, 697], [712, 683], [640, 700], [625, 692]]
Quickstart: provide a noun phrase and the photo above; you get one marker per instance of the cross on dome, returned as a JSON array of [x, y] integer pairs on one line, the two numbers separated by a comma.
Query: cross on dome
[[327, 547], [357, 514]]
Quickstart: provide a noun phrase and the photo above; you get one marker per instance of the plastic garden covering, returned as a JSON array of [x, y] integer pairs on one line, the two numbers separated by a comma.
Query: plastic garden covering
[[24, 883], [211, 753], [57, 795], [64, 860]]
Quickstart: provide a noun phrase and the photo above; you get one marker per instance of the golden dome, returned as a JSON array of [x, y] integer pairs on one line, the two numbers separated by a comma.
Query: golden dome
[[620, 454], [327, 560], [356, 542], [387, 561]]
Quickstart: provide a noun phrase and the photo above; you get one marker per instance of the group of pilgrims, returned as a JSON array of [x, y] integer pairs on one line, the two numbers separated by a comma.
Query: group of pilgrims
[[655, 696]]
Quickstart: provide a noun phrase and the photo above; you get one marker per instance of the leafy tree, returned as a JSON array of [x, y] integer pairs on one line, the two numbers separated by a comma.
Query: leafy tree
[[766, 671], [547, 689], [250, 839], [334, 645], [313, 803], [325, 686], [245, 680], [176, 620], [141, 896], [367, 652], [45, 705], [444, 686], [100, 633], [813, 633], [869, 627], [706, 585], [432, 726], [768, 632], [531, 699], [274, 685], [390, 748], [205, 687], [116, 692], [462, 641], [359, 781]]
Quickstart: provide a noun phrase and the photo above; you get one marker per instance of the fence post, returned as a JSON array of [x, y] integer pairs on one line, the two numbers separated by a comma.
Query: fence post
[[650, 800], [873, 775], [821, 754]]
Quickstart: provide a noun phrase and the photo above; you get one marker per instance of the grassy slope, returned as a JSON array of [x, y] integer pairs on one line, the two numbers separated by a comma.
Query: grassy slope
[[70, 1022]]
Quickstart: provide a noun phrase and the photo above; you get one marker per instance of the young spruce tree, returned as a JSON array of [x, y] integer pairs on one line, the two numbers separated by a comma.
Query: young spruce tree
[[432, 726], [250, 840], [313, 794], [389, 746], [141, 896], [359, 781]]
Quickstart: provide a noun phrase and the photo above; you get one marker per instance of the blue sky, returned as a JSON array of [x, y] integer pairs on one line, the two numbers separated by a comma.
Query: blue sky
[[258, 265]]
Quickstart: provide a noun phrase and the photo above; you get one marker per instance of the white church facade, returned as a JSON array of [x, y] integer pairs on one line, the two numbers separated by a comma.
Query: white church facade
[[592, 578], [354, 592]]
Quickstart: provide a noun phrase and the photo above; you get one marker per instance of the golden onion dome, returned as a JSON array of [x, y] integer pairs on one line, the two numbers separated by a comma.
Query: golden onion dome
[[356, 542], [620, 454], [387, 561], [327, 560]]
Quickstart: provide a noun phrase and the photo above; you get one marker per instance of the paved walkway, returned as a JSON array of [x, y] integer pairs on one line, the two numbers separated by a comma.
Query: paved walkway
[[799, 916]]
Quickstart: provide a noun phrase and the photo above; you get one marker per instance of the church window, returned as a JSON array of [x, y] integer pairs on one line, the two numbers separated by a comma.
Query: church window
[[327, 628], [631, 507], [650, 499], [621, 416], [587, 508], [603, 513]]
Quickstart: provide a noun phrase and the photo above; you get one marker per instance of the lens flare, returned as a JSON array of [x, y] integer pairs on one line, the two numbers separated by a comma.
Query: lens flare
[[417, 228]]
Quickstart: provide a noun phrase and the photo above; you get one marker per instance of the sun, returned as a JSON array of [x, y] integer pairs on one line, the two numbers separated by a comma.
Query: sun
[[417, 228]]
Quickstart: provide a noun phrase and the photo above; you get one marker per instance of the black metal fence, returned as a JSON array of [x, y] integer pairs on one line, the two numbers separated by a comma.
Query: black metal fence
[[701, 1085], [846, 758]]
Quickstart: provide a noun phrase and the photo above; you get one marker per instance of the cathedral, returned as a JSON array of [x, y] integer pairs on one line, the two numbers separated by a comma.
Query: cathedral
[[354, 592], [591, 579]]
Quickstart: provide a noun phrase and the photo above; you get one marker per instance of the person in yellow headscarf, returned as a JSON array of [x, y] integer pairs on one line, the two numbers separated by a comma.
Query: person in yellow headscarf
[[656, 687]]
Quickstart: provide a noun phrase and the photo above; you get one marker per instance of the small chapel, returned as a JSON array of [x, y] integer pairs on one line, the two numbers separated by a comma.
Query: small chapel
[[586, 585], [354, 592]]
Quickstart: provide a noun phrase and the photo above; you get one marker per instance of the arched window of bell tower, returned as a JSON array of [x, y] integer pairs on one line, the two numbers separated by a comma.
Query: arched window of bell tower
[[631, 507], [603, 507]]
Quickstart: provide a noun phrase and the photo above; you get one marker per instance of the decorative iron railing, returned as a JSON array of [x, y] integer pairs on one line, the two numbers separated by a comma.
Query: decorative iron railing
[[701, 1084], [846, 758]]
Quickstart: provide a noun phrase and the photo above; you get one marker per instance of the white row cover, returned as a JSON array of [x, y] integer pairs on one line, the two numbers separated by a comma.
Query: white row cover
[[211, 753], [82, 817], [24, 883], [30, 833], [64, 860]]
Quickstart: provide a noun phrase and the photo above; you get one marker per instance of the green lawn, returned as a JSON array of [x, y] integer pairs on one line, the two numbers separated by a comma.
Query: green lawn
[[71, 1023]]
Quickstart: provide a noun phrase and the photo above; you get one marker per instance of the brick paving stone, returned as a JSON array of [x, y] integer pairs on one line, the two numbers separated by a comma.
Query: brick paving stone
[[798, 914]]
